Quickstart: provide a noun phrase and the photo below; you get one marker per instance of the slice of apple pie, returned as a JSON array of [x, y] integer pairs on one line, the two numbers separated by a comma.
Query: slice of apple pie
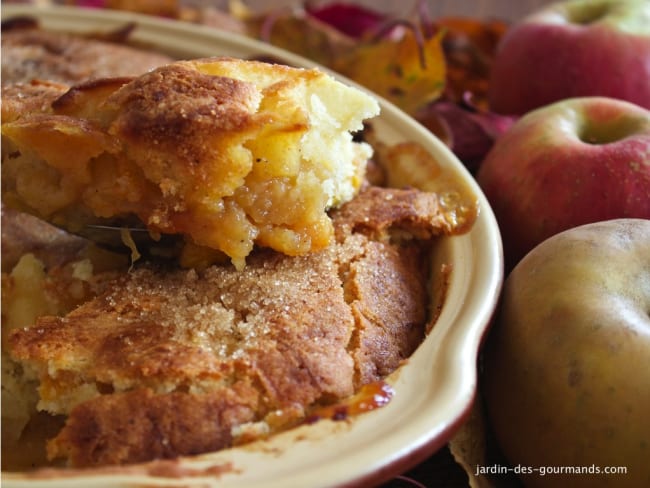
[[225, 152]]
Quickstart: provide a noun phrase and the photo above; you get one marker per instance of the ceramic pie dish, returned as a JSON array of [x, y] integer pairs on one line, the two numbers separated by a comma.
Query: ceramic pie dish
[[433, 391]]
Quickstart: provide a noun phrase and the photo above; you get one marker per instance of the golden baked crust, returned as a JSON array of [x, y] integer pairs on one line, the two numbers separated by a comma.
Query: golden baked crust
[[193, 355], [31, 53], [228, 153]]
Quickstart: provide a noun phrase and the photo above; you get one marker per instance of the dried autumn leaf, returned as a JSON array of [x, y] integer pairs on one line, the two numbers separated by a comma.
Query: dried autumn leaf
[[483, 34], [469, 46], [409, 72]]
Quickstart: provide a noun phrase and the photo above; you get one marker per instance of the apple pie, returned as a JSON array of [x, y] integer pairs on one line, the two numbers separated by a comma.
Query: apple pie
[[119, 362]]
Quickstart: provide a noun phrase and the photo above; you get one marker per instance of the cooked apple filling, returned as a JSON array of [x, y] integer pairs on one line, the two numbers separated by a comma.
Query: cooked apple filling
[[227, 153]]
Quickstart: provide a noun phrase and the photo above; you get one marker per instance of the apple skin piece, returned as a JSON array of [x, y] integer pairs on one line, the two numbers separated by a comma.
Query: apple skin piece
[[566, 164], [573, 49], [566, 377]]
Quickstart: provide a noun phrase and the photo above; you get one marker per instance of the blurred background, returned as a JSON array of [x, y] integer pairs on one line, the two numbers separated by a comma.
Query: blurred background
[[487, 9], [505, 9]]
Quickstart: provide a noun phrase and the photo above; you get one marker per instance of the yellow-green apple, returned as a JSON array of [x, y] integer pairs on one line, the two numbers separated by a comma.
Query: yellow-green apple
[[573, 49], [566, 377], [569, 163]]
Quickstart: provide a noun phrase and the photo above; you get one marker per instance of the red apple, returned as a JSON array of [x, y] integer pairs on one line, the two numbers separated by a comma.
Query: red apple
[[573, 162], [574, 49]]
